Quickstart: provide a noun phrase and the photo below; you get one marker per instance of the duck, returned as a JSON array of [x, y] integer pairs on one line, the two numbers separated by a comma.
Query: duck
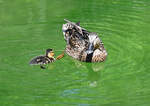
[[82, 44], [43, 59]]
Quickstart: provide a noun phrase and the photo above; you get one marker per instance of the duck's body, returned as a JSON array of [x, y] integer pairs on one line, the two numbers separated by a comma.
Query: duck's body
[[82, 44]]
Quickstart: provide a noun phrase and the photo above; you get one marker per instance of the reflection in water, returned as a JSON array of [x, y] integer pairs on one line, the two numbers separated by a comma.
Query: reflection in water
[[94, 71], [51, 66]]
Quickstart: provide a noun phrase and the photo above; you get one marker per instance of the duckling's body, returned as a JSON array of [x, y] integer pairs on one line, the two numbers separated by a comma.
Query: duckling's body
[[44, 59], [82, 44]]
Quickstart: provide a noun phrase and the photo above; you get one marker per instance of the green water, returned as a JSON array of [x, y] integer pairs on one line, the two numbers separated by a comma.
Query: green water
[[29, 27]]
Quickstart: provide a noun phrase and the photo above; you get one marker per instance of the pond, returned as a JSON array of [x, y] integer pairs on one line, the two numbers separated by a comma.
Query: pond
[[29, 27]]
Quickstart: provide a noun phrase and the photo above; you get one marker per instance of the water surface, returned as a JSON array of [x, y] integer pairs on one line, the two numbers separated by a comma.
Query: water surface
[[29, 27]]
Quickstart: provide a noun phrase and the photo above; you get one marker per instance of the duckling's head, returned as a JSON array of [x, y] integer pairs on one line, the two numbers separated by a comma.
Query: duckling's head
[[49, 53]]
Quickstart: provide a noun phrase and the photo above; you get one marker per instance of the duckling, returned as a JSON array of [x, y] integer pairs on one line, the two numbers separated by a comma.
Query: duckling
[[81, 44], [44, 59]]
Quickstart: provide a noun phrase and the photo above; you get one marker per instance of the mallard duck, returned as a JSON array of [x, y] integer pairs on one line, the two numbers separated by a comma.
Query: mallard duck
[[81, 44], [44, 59]]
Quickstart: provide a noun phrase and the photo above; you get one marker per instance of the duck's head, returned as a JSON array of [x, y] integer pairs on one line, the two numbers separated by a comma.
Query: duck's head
[[94, 43], [67, 28], [49, 53]]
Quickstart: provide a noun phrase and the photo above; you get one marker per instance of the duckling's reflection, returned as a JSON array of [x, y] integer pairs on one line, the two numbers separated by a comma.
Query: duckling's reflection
[[51, 66], [94, 71]]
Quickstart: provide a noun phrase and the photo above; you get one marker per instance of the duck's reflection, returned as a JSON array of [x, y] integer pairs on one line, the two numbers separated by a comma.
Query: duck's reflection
[[94, 71]]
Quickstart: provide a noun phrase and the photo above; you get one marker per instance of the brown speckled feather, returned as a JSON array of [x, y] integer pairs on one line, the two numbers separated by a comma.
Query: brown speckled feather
[[78, 44]]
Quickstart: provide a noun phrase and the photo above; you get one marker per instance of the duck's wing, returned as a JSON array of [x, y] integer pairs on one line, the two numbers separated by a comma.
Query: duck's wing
[[37, 60], [99, 56]]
